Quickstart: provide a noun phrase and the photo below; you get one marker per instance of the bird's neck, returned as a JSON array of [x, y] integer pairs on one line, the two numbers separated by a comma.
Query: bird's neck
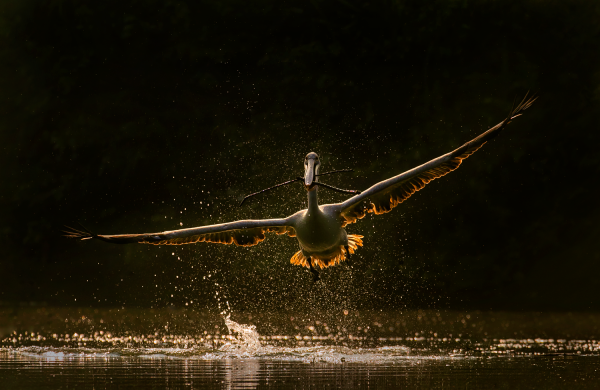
[[313, 204]]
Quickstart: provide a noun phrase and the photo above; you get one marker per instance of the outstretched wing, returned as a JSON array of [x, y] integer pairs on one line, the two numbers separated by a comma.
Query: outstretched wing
[[385, 195], [241, 233]]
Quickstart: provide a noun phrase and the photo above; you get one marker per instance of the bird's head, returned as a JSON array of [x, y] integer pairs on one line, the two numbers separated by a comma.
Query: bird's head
[[311, 177], [311, 170]]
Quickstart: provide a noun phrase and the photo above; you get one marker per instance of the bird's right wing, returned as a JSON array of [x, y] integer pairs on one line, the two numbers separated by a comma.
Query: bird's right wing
[[241, 233]]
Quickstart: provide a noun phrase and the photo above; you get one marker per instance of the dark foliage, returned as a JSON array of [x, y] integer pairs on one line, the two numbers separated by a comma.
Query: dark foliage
[[144, 115]]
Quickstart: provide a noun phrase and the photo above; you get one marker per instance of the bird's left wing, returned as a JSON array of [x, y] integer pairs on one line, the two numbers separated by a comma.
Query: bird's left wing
[[384, 196], [241, 233]]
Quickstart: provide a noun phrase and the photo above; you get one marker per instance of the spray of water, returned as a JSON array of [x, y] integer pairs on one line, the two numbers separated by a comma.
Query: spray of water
[[247, 339]]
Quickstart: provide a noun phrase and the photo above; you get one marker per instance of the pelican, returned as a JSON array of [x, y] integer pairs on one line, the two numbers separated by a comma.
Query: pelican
[[319, 229]]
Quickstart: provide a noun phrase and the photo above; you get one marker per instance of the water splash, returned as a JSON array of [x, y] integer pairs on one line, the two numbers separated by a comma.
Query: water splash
[[247, 341]]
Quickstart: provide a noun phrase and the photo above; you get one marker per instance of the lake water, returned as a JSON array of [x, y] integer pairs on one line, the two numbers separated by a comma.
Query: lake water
[[186, 348]]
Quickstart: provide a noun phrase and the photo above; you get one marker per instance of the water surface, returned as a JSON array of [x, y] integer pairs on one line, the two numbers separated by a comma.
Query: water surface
[[185, 348]]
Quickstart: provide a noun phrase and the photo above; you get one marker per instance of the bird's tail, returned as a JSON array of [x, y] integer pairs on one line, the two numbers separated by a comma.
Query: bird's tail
[[354, 241]]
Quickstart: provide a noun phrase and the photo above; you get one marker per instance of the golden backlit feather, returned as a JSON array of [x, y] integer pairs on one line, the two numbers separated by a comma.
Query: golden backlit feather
[[354, 241], [240, 237], [384, 196], [384, 203]]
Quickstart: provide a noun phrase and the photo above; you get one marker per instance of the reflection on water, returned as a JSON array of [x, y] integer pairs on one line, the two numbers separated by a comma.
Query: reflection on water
[[73, 348], [79, 370]]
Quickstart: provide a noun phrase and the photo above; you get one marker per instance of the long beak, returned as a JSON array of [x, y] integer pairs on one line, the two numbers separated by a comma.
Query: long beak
[[309, 175]]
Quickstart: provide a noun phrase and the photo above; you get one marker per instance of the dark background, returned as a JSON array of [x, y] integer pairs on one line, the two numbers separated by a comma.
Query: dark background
[[142, 116]]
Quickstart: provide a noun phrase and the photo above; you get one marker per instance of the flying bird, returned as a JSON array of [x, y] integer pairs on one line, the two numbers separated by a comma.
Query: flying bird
[[319, 229]]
